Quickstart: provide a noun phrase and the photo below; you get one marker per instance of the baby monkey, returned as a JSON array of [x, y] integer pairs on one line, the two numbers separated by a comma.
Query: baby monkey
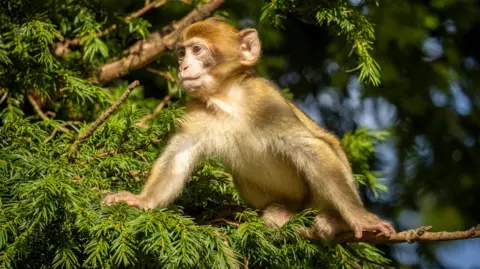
[[281, 161]]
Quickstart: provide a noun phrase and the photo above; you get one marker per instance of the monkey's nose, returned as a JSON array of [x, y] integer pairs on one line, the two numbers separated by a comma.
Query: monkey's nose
[[184, 68]]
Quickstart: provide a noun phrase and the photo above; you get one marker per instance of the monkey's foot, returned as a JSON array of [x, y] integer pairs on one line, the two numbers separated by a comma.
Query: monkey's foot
[[328, 224], [375, 225], [126, 197]]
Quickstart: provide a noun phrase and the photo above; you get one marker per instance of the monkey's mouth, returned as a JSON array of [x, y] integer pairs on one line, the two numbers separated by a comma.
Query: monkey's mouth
[[191, 83], [189, 78]]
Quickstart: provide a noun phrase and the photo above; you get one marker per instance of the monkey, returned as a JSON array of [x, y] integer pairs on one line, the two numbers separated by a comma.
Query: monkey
[[281, 161]]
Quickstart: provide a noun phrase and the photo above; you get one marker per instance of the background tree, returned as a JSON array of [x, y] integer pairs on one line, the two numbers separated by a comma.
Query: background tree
[[63, 63]]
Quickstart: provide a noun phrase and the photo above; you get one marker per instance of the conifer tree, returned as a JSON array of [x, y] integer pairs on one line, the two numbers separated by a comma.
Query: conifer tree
[[72, 130]]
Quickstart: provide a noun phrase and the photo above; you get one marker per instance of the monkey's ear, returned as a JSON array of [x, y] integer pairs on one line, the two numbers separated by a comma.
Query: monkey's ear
[[250, 47]]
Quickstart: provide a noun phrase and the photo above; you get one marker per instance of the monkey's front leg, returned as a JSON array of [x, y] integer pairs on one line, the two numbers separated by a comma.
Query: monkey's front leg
[[167, 177]]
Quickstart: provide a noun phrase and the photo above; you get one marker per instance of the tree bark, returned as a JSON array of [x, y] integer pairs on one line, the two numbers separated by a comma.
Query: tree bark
[[421, 234], [146, 51]]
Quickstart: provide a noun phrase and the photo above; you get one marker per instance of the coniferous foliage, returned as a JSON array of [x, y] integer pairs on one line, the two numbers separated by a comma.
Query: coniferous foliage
[[341, 18], [50, 196]]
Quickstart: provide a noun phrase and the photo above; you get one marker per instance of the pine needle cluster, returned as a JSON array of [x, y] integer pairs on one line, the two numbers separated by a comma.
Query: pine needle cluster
[[50, 197], [341, 18]]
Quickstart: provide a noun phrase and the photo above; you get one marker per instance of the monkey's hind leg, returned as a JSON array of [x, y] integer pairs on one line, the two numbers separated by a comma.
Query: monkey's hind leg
[[275, 216], [328, 224]]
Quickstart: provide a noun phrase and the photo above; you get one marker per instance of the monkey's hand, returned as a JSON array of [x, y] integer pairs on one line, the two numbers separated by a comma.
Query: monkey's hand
[[369, 222], [126, 197]]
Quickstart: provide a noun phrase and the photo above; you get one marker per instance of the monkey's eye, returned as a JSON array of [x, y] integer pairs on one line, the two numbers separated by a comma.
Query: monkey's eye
[[196, 49], [181, 53]]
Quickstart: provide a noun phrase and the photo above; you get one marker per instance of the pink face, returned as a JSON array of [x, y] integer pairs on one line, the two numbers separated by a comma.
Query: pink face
[[195, 61]]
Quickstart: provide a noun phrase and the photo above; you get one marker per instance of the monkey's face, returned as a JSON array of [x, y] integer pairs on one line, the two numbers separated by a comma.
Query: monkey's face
[[195, 60], [211, 52]]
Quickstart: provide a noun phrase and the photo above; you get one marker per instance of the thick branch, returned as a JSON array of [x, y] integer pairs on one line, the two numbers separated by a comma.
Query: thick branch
[[421, 234], [105, 115], [145, 51], [61, 48]]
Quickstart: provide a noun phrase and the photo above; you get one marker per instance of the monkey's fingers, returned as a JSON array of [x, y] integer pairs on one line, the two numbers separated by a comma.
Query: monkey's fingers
[[109, 199], [126, 197], [389, 226], [384, 228], [381, 228], [358, 230]]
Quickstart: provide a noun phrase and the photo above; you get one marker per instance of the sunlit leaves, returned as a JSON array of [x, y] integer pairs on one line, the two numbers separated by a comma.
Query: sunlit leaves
[[139, 26], [4, 60], [41, 34], [65, 258], [360, 147], [338, 17], [12, 112], [60, 192], [92, 47], [359, 31], [50, 202], [82, 90]]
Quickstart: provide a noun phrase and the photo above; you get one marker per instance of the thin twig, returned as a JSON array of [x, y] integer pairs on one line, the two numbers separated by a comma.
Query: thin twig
[[4, 97], [350, 263], [143, 158], [112, 153], [62, 48], [51, 136], [421, 234], [140, 12], [104, 116], [165, 74], [165, 100], [228, 177], [222, 220], [146, 51], [42, 115], [122, 151], [245, 262], [51, 114]]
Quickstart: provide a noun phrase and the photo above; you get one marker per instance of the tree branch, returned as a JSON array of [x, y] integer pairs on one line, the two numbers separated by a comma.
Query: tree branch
[[123, 150], [421, 234], [166, 100], [42, 115], [63, 47], [144, 52], [4, 97], [51, 136], [104, 116], [140, 12], [222, 220]]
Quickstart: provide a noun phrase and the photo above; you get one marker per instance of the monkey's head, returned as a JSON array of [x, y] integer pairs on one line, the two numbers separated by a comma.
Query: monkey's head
[[211, 52]]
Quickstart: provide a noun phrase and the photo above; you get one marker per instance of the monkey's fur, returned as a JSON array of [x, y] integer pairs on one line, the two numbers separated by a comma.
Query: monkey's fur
[[281, 161]]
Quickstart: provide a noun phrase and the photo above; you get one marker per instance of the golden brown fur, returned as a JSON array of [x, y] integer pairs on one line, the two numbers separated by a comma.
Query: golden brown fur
[[281, 161]]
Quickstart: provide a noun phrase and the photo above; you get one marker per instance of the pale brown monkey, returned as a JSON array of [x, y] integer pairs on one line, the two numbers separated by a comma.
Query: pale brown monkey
[[281, 161]]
